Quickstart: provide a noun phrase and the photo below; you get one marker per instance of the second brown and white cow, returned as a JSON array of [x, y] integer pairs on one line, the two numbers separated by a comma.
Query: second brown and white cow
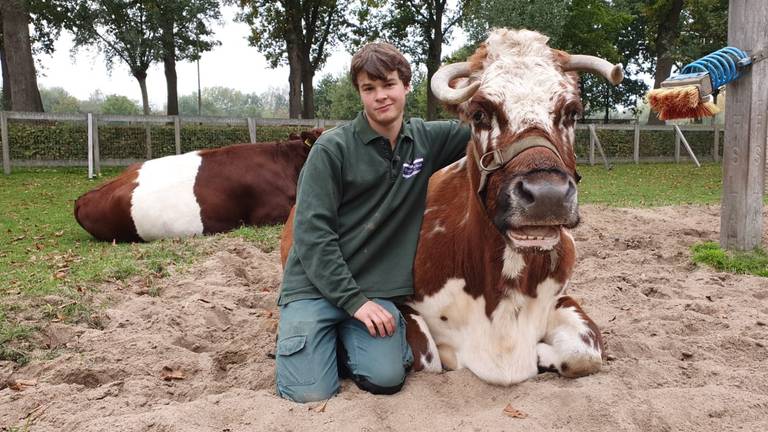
[[200, 192], [495, 255]]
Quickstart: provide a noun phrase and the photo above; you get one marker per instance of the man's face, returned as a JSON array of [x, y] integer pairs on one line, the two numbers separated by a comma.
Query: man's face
[[383, 101]]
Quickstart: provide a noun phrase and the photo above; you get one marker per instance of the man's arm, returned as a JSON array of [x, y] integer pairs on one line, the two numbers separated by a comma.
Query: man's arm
[[316, 241], [449, 141]]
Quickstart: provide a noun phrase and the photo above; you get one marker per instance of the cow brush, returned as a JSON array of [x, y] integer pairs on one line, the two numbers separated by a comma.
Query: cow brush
[[690, 94]]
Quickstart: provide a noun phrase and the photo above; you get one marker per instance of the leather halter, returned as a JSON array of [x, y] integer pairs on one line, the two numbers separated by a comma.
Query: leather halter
[[496, 159]]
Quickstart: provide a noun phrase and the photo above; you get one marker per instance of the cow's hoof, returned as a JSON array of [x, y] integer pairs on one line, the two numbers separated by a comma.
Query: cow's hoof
[[580, 365]]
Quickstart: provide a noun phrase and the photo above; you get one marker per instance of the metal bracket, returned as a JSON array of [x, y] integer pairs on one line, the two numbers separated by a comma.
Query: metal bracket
[[759, 55]]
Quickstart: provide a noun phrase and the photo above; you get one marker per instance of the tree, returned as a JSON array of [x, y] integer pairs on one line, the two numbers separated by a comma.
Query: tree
[[275, 102], [337, 98], [602, 28], [419, 28], [118, 104], [121, 29], [58, 100], [663, 18], [185, 33], [299, 33], [21, 79]]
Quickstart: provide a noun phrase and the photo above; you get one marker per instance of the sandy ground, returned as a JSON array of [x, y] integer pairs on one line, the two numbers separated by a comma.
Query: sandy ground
[[686, 345]]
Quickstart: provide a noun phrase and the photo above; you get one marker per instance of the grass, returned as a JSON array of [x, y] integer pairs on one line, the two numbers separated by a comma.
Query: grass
[[753, 262], [50, 267], [650, 185]]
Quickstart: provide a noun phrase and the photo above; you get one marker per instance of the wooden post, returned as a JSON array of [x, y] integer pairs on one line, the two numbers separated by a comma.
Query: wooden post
[[593, 136], [252, 129], [741, 217], [148, 133], [636, 153], [96, 148], [6, 145], [591, 146], [90, 145], [177, 133], [716, 144], [677, 147]]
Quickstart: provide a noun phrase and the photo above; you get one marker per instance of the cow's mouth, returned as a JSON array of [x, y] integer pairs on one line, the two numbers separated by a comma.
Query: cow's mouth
[[537, 237]]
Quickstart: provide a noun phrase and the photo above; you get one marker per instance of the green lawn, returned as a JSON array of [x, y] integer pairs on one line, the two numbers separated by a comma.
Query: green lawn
[[49, 266]]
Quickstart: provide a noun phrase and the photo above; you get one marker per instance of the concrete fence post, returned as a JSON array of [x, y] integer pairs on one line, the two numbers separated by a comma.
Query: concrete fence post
[[6, 144], [716, 144], [636, 152], [252, 129], [90, 145], [177, 133], [677, 148]]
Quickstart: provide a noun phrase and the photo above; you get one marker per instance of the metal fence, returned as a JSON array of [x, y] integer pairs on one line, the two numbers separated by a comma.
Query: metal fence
[[44, 139]]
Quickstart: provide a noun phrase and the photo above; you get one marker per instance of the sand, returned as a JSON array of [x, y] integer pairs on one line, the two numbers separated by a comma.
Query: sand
[[686, 346]]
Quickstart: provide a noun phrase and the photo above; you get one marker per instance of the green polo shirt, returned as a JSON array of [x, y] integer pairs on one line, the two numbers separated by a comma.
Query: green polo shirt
[[359, 208]]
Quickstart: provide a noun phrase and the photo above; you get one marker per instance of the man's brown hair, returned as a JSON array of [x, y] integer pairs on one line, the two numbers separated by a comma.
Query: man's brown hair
[[378, 59]]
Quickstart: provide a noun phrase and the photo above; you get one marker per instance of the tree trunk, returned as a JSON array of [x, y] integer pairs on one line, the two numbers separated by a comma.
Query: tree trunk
[[308, 91], [5, 104], [169, 62], [294, 82], [433, 62], [24, 93], [665, 39], [142, 78]]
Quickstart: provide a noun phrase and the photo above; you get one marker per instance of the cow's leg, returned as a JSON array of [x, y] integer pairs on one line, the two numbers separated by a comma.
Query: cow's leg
[[572, 344], [425, 353]]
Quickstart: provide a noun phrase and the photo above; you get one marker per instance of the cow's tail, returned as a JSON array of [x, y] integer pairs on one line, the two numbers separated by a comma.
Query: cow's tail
[[425, 355]]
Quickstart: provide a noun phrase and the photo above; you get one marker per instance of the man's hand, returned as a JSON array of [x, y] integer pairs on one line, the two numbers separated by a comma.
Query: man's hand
[[376, 317]]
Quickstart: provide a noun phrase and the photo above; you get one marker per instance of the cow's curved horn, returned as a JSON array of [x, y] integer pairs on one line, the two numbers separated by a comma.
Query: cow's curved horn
[[443, 91], [587, 63]]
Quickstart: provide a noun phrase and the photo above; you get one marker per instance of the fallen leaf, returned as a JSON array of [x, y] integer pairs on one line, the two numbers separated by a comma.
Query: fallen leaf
[[20, 384], [168, 374], [515, 413], [18, 239], [58, 233], [320, 408]]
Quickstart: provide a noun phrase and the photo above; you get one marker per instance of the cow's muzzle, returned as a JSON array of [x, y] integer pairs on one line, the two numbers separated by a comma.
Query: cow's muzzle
[[532, 208]]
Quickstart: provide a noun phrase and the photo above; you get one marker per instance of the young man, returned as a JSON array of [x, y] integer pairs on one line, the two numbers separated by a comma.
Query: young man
[[360, 203]]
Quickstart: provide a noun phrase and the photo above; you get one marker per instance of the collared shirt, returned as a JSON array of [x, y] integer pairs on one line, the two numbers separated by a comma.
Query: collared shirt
[[359, 209]]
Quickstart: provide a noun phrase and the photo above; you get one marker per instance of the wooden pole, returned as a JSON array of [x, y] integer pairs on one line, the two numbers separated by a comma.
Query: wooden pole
[[681, 137], [252, 129], [90, 145], [636, 152], [593, 135], [741, 217], [716, 144], [96, 147], [677, 148], [591, 146], [6, 146], [177, 133]]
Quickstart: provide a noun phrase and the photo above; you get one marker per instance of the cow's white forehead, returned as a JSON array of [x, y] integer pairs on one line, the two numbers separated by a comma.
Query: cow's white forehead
[[521, 75]]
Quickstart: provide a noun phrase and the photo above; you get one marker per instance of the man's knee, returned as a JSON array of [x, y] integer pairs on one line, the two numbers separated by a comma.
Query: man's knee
[[308, 393], [384, 380]]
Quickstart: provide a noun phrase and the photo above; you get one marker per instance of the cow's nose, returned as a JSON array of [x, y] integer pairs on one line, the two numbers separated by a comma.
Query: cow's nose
[[546, 198]]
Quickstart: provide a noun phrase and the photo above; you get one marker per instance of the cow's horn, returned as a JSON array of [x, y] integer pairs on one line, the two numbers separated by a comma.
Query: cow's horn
[[587, 63], [443, 91]]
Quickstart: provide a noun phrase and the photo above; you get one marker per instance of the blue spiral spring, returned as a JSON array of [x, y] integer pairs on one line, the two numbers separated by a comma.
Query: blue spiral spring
[[723, 65]]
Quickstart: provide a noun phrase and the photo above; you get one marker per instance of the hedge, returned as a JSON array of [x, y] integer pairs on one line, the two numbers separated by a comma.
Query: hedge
[[67, 141]]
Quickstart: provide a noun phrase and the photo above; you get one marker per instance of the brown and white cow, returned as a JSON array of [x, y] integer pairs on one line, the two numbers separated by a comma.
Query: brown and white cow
[[495, 255], [200, 192]]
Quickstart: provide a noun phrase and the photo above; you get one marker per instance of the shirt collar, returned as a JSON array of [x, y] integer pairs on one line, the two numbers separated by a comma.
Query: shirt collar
[[367, 134]]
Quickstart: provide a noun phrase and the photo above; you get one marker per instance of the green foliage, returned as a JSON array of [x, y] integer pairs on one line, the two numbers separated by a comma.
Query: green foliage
[[185, 26], [58, 100], [753, 262], [222, 101], [336, 98], [117, 104]]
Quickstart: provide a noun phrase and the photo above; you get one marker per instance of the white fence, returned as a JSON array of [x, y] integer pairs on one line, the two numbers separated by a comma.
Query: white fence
[[44, 139]]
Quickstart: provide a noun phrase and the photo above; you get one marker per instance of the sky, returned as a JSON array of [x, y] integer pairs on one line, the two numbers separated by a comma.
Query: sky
[[232, 64]]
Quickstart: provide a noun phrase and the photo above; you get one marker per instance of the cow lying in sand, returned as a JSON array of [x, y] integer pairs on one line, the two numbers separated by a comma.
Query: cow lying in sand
[[494, 254], [200, 192]]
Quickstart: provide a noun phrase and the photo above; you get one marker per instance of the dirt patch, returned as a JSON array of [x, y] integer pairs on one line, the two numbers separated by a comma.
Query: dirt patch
[[686, 345]]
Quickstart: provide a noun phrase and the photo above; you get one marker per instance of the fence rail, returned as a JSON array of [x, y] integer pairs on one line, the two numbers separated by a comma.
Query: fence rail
[[47, 139]]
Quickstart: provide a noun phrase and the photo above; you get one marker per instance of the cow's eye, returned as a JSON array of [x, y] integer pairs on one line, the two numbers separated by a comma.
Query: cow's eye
[[479, 116]]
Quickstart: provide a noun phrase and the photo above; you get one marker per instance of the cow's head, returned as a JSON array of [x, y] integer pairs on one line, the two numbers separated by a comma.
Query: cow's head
[[521, 99]]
